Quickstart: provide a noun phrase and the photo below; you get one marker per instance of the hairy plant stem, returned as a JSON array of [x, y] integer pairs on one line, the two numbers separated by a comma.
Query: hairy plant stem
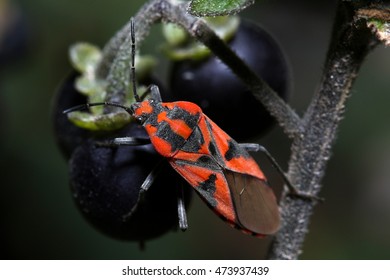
[[116, 59], [351, 42]]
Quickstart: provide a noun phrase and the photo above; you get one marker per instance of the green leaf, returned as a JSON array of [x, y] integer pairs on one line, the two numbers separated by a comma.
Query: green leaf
[[217, 7], [89, 86], [377, 18], [182, 47], [381, 29], [174, 34], [85, 57], [106, 122]]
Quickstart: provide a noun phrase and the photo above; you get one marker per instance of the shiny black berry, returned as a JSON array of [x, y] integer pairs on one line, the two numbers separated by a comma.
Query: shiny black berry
[[221, 95], [106, 181], [67, 135]]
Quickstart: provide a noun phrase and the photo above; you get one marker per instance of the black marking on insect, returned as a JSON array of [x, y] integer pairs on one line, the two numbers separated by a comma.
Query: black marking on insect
[[207, 188]]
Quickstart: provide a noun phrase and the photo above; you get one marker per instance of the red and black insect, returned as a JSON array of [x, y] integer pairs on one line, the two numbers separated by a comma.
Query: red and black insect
[[220, 170], [216, 166]]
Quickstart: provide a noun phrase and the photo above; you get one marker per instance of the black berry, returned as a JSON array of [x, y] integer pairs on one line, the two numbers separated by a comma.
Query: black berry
[[221, 95]]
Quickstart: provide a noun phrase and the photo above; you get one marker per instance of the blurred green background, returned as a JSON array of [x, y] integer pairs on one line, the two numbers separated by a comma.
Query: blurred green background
[[38, 218]]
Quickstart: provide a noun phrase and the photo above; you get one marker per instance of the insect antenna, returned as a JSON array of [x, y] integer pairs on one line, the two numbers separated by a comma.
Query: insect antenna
[[133, 79]]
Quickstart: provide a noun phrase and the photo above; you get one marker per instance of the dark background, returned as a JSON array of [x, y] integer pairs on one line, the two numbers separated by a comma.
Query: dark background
[[38, 217]]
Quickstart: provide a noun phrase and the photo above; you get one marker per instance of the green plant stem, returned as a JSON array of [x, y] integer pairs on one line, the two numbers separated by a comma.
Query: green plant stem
[[351, 42]]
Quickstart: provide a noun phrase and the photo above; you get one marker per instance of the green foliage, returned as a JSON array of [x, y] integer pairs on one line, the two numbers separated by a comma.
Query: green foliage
[[218, 7], [85, 58], [181, 46], [100, 122], [377, 18]]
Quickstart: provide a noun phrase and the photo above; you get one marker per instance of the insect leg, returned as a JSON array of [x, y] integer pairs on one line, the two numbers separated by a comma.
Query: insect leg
[[182, 215], [123, 141], [251, 147], [154, 92], [144, 187], [254, 147]]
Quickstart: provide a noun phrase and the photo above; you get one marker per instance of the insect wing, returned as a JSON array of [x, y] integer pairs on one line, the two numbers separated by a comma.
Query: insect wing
[[210, 184], [254, 203], [228, 179]]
